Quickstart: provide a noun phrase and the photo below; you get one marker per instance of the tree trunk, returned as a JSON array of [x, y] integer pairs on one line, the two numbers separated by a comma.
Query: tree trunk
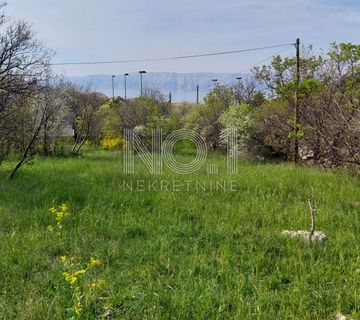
[[24, 156], [45, 142]]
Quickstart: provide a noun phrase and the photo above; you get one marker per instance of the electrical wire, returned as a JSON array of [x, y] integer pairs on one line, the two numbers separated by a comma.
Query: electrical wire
[[251, 67], [169, 58]]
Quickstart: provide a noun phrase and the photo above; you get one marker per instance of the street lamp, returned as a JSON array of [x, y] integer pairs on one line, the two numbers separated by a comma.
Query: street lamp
[[141, 83], [238, 88], [125, 75], [113, 87], [215, 82], [239, 82]]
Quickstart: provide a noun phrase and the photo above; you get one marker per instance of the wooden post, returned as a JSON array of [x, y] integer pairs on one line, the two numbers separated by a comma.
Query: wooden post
[[297, 111]]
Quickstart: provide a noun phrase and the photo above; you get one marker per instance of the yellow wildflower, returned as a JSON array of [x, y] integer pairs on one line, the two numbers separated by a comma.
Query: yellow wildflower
[[98, 284], [59, 214], [63, 259], [78, 309], [70, 278], [79, 272], [63, 207], [94, 262]]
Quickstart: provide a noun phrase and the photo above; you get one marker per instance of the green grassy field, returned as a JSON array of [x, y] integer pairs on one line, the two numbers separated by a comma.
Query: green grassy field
[[189, 254]]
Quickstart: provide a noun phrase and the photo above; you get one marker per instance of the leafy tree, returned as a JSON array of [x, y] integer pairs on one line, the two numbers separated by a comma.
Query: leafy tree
[[328, 126], [241, 119], [205, 118], [24, 66], [36, 112], [83, 106]]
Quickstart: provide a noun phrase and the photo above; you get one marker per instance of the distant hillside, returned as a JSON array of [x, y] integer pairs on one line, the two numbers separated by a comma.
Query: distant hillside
[[181, 85]]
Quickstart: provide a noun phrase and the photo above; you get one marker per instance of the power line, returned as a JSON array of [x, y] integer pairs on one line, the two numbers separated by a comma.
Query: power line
[[253, 66], [169, 58]]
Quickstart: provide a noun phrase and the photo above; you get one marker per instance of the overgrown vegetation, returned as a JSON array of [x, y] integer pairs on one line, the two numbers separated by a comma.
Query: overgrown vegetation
[[39, 113], [177, 255], [205, 252]]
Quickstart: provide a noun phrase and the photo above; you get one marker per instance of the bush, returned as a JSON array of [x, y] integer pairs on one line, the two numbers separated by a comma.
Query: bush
[[112, 143], [240, 118], [205, 118]]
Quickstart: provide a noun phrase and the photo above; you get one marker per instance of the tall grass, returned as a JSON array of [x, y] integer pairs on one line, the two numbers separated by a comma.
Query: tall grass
[[189, 254]]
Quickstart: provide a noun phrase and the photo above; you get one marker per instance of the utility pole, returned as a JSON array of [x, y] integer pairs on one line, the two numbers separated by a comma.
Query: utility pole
[[113, 87], [297, 108], [125, 75], [197, 94], [141, 82]]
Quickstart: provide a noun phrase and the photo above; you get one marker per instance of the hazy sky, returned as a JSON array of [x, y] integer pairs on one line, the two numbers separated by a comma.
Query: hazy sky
[[123, 29]]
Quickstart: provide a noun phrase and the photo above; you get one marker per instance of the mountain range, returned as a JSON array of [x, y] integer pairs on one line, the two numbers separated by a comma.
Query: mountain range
[[181, 85]]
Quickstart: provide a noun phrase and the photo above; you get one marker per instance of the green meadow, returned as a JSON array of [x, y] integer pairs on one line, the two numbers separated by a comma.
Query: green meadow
[[178, 247]]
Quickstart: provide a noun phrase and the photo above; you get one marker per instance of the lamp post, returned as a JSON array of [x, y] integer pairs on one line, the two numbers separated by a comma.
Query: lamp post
[[141, 83], [215, 82], [113, 87], [125, 75], [238, 89], [238, 83]]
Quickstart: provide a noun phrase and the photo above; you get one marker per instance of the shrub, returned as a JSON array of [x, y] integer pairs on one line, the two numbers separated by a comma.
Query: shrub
[[112, 143], [240, 118]]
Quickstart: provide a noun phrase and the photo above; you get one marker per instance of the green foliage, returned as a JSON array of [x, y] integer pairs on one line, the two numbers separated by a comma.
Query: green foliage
[[205, 118], [166, 124], [327, 100], [345, 52], [280, 76], [271, 129], [298, 131], [220, 97], [328, 104]]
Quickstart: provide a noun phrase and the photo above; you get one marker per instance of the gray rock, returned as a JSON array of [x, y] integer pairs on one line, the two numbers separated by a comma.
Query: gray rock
[[316, 236]]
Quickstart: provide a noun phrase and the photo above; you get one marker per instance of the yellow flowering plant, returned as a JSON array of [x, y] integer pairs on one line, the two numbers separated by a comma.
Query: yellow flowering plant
[[111, 143], [81, 282], [59, 213]]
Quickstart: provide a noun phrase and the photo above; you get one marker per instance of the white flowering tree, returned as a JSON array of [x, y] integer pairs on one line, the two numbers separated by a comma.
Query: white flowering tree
[[239, 118]]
